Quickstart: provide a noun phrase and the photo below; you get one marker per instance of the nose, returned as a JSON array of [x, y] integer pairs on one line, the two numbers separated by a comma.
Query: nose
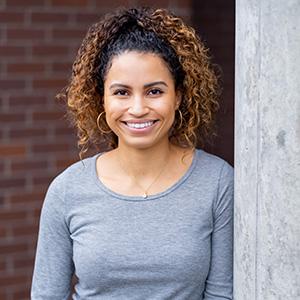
[[138, 106]]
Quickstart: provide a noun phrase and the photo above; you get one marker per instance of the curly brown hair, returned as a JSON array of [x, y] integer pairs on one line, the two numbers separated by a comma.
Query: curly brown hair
[[199, 86]]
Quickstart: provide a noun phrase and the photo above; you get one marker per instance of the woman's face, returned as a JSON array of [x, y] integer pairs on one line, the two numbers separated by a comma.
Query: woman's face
[[140, 99]]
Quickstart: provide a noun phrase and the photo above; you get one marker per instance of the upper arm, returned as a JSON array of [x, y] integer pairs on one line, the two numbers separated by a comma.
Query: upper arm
[[220, 278], [53, 267]]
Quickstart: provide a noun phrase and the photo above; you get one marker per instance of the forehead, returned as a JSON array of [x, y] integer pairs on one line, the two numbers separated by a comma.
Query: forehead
[[138, 67]]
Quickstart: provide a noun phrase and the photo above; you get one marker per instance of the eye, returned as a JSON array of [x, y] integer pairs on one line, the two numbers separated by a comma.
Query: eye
[[120, 93], [155, 92]]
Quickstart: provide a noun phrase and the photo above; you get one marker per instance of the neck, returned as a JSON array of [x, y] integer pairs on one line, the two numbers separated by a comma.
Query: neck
[[144, 162]]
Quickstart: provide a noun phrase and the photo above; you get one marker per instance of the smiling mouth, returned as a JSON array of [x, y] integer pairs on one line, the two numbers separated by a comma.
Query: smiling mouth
[[140, 125]]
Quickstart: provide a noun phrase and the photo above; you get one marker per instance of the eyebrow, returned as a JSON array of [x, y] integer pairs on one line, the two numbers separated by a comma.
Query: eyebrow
[[145, 86]]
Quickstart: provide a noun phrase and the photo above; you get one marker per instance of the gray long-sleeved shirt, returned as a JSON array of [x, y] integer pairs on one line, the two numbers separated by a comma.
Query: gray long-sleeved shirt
[[173, 245]]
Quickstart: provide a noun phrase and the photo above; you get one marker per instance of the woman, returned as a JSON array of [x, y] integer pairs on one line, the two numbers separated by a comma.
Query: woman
[[152, 217]]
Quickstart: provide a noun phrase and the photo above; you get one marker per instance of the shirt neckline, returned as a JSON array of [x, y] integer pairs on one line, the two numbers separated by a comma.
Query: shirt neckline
[[170, 189]]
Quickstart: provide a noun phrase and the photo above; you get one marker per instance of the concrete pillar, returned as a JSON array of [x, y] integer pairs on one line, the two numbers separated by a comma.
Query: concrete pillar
[[267, 150]]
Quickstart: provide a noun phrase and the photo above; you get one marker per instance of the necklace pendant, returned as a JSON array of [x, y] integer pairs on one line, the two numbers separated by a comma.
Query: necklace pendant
[[145, 195]]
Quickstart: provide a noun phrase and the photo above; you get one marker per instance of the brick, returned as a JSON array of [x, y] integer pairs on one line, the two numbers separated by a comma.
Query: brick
[[27, 133], [36, 213], [153, 3], [24, 230], [80, 3], [12, 150], [26, 101], [50, 148], [22, 3], [23, 259], [3, 234], [65, 131], [63, 163], [75, 34], [2, 166], [107, 6], [47, 116], [42, 179], [12, 280], [4, 294], [25, 34], [12, 215], [48, 17], [88, 18], [2, 266], [2, 200], [22, 294], [62, 67], [9, 51], [49, 83], [7, 84], [12, 183], [11, 17], [183, 3], [25, 68], [12, 118], [49, 50], [25, 197]]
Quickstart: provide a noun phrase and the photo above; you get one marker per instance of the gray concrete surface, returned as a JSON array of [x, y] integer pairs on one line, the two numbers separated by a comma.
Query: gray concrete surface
[[267, 150]]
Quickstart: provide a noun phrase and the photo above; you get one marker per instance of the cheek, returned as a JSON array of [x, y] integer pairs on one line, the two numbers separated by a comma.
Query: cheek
[[167, 109], [114, 109], [111, 105]]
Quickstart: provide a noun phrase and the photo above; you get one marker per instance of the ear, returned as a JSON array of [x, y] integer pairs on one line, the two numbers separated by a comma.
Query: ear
[[178, 99]]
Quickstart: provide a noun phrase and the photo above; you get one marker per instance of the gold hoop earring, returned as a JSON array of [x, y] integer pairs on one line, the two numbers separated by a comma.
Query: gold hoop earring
[[98, 124], [181, 118]]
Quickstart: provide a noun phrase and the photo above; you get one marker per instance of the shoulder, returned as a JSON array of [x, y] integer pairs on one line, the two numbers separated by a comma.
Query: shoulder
[[213, 164], [219, 175], [75, 174], [214, 172]]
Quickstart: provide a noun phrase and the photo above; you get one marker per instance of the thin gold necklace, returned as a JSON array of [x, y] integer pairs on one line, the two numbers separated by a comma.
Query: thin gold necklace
[[145, 191]]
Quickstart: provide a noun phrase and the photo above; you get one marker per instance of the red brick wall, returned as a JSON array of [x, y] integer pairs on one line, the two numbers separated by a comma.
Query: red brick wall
[[38, 43]]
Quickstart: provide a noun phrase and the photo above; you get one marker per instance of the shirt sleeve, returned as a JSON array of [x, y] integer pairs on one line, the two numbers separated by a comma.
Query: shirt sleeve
[[219, 283], [53, 267]]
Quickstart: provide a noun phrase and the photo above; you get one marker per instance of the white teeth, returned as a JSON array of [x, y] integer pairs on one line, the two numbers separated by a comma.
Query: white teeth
[[140, 125]]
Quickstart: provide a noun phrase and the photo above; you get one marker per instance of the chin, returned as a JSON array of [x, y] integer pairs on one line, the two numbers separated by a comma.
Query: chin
[[140, 144]]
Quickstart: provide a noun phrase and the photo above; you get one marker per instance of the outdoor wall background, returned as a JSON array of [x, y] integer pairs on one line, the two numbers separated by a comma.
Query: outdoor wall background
[[38, 43]]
